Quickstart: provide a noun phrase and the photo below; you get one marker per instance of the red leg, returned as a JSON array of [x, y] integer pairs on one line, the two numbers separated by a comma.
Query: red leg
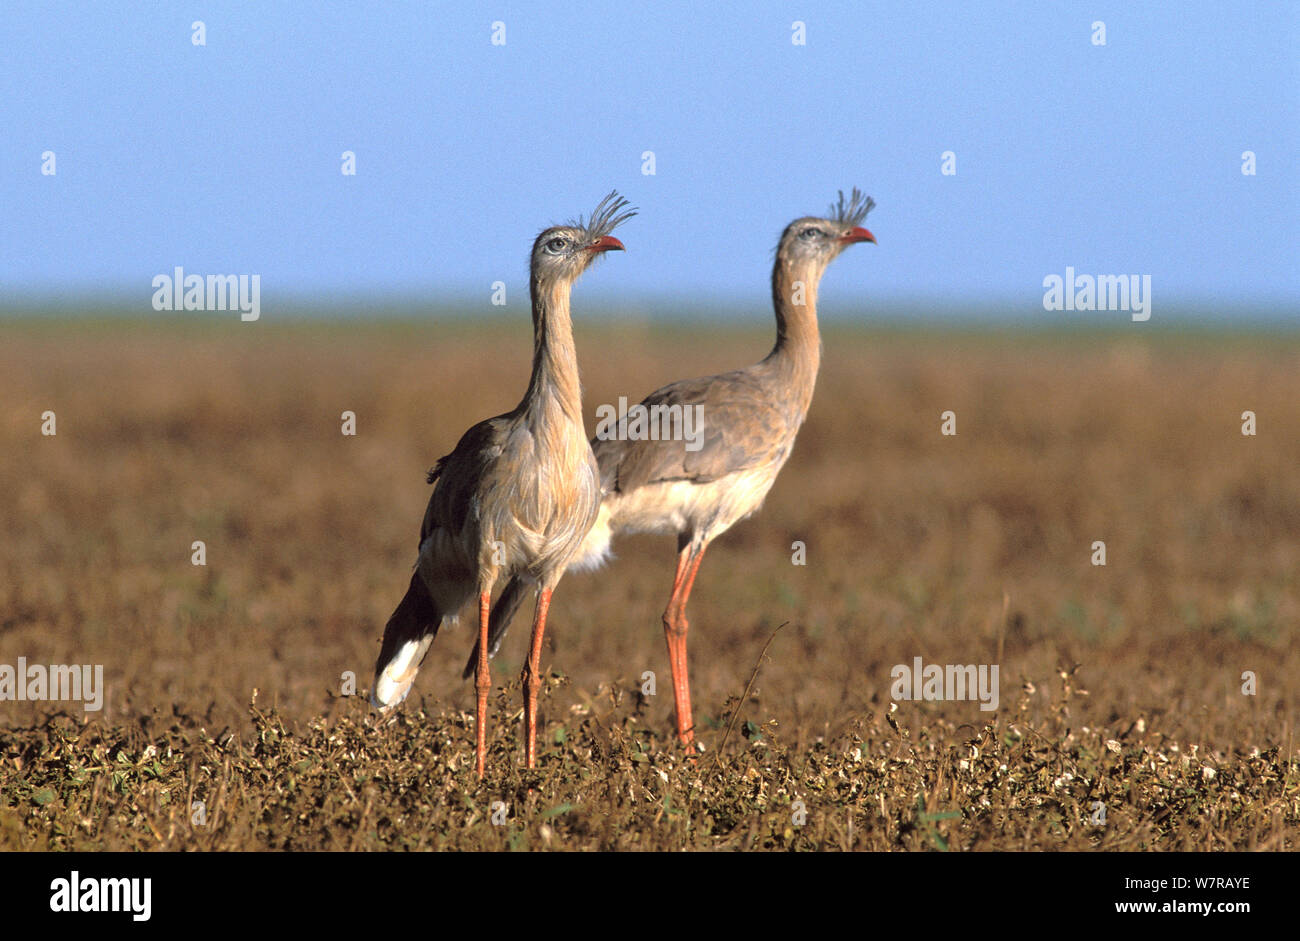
[[482, 678], [532, 678], [670, 632], [675, 627]]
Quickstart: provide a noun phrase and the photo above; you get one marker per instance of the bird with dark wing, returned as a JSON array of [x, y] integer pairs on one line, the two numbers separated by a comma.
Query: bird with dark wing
[[516, 497]]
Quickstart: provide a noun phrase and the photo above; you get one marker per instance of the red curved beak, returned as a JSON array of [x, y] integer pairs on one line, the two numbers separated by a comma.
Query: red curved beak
[[606, 243], [857, 234]]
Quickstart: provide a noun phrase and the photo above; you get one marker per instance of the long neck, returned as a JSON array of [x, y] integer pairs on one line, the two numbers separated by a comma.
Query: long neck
[[798, 349], [554, 390]]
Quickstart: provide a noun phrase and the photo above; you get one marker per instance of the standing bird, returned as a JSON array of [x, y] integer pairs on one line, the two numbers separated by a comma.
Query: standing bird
[[750, 419], [517, 495]]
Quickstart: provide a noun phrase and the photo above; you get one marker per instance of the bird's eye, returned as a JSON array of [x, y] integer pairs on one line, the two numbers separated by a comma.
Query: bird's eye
[[557, 245], [811, 233]]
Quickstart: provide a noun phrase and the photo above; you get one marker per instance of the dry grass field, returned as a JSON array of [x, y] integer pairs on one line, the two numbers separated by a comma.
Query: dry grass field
[[1120, 685]]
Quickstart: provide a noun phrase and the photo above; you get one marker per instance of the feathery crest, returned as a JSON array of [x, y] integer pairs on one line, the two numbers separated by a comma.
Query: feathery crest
[[606, 216], [856, 210]]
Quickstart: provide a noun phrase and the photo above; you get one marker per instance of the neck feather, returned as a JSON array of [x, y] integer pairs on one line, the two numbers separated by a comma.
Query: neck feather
[[554, 390], [797, 353]]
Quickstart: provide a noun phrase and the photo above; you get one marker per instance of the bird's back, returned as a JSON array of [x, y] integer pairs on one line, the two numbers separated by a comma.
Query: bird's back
[[743, 423], [746, 430]]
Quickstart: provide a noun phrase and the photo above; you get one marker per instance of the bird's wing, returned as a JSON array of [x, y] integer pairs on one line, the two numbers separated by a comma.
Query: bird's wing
[[739, 426], [456, 474]]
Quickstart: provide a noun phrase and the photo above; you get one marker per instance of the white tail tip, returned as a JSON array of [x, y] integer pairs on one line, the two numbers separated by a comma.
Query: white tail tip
[[394, 681]]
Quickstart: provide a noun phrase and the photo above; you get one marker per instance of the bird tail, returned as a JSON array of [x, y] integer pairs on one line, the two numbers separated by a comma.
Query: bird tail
[[407, 637], [502, 613]]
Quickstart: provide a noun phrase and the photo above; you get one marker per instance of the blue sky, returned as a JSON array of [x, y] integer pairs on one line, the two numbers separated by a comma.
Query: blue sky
[[1117, 159]]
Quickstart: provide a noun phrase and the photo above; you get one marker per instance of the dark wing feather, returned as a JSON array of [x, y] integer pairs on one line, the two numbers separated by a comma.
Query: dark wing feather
[[741, 428], [457, 473]]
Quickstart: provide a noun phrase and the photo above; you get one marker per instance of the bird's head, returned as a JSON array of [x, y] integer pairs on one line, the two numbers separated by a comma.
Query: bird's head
[[816, 241], [563, 252]]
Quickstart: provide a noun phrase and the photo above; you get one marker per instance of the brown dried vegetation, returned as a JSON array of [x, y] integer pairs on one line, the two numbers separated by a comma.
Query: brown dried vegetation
[[1120, 685]]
